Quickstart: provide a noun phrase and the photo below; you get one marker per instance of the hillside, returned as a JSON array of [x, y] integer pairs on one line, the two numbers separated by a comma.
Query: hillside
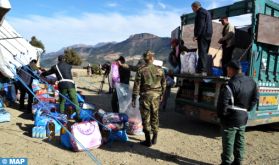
[[131, 48]]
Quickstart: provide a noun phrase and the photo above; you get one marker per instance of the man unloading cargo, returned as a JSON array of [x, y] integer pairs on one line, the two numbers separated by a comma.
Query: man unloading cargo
[[228, 43], [124, 74], [66, 85], [203, 34], [236, 98], [150, 84], [27, 74]]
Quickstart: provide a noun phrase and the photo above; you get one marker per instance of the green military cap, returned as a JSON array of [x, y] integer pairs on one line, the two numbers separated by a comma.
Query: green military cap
[[148, 54]]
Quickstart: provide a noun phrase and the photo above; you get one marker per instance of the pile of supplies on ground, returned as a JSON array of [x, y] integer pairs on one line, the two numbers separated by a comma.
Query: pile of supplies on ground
[[97, 127]]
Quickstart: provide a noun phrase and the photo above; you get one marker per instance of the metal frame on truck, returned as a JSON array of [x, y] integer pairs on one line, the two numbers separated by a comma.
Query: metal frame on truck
[[197, 95]]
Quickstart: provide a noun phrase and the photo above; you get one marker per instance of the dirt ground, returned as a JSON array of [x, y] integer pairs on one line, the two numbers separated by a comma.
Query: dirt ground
[[181, 141]]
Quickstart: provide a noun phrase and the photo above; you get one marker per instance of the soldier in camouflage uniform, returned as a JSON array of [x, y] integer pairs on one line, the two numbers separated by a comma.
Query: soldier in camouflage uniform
[[150, 84]]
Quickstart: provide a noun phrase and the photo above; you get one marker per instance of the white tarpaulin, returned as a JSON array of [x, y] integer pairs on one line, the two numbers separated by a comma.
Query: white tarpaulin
[[15, 51]]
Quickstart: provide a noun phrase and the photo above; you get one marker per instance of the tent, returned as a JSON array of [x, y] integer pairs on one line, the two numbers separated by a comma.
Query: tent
[[15, 51]]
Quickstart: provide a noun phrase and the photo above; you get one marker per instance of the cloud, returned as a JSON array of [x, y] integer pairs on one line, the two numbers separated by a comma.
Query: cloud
[[162, 5], [112, 4], [149, 6], [91, 28]]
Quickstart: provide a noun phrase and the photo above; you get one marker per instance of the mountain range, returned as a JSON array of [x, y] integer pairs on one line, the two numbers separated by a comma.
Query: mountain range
[[131, 48]]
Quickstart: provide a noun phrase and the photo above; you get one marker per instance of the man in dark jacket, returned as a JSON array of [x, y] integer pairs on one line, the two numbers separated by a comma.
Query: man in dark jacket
[[124, 74], [26, 73], [66, 84], [203, 34], [236, 98]]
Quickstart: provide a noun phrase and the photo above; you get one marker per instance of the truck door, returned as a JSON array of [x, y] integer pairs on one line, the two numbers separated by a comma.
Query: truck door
[[265, 61]]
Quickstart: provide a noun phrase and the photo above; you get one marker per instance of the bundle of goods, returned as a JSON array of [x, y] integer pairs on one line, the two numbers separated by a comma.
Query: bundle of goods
[[40, 88], [4, 116], [188, 62], [86, 112], [46, 98], [50, 79], [114, 76], [217, 71], [70, 108], [44, 92], [45, 115], [43, 106], [84, 135], [8, 93], [115, 121], [111, 136], [135, 126], [114, 126]]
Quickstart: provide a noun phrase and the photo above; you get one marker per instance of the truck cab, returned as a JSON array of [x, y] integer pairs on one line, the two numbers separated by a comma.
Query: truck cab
[[257, 47]]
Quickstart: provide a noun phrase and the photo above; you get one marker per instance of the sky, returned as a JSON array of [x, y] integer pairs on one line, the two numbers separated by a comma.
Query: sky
[[61, 23]]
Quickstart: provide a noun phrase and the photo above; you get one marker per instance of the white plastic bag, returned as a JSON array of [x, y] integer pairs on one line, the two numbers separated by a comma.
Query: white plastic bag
[[188, 62], [124, 96], [125, 106]]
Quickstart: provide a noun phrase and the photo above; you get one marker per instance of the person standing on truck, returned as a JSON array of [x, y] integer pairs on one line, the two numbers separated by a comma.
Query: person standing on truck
[[177, 47], [202, 33], [124, 74], [237, 97], [150, 84], [66, 84], [227, 42]]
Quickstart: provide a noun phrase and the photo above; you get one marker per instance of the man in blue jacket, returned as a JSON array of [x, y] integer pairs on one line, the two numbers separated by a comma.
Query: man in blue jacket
[[202, 33], [26, 73]]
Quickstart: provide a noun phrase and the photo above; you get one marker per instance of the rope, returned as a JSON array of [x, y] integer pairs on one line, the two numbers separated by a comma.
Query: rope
[[246, 50], [9, 38], [217, 52]]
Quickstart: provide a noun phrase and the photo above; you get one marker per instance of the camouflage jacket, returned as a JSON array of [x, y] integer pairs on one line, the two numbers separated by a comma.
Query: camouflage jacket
[[149, 80]]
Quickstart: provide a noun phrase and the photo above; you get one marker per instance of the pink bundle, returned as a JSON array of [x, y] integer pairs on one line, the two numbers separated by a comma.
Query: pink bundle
[[88, 134], [115, 73], [135, 126]]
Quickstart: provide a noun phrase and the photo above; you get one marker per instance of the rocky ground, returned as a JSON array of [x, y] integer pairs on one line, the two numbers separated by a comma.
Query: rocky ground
[[181, 141]]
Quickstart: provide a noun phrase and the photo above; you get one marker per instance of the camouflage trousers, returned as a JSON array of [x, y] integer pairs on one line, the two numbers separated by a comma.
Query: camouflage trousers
[[149, 108]]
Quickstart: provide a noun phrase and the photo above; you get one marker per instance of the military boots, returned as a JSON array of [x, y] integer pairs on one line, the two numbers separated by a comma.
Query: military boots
[[147, 141], [154, 138]]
